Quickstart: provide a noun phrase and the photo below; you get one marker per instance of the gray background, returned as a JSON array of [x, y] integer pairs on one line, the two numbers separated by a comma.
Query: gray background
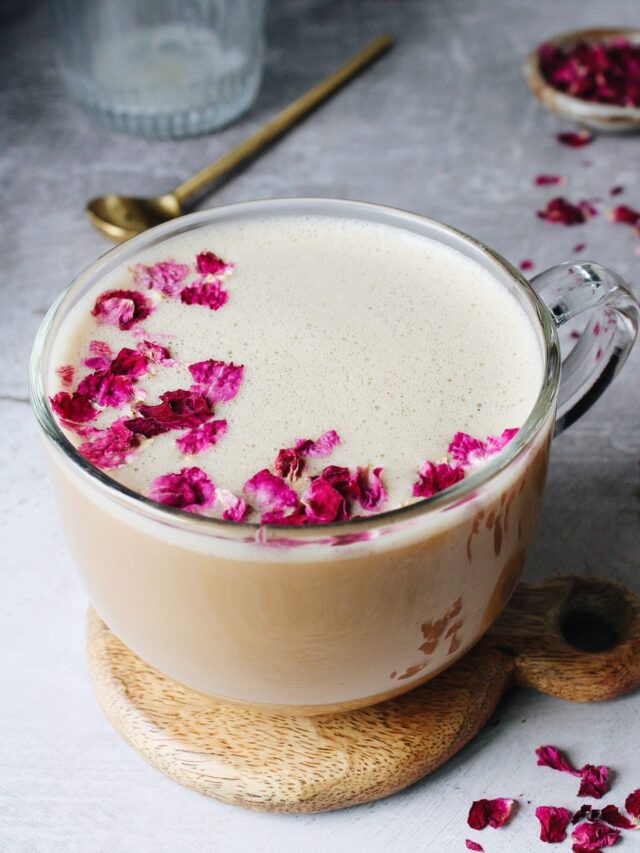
[[443, 126]]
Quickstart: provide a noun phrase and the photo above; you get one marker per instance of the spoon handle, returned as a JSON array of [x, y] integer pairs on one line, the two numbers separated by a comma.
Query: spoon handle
[[282, 122]]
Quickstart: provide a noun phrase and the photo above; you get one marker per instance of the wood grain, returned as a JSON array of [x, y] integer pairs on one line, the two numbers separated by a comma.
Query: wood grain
[[275, 762]]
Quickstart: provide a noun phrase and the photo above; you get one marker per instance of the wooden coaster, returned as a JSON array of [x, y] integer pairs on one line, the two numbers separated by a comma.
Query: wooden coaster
[[576, 638]]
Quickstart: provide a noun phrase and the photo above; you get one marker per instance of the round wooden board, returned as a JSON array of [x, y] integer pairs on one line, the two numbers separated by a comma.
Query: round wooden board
[[282, 763]]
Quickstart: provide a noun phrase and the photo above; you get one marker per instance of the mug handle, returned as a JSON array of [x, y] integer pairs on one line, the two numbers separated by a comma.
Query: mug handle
[[602, 348]]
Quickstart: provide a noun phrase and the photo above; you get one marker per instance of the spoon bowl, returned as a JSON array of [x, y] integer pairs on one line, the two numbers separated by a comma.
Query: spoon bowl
[[121, 217]]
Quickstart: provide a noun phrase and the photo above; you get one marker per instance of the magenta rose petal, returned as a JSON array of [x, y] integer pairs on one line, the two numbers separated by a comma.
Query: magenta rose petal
[[292, 516], [202, 437], [559, 211], [190, 490], [266, 492], [575, 139], [553, 823], [324, 503], [234, 508], [594, 781], [625, 214], [548, 180], [467, 450], [288, 464], [613, 816], [65, 374], [122, 308], [593, 837], [434, 478], [156, 353], [210, 294], [100, 356], [105, 389], [493, 813], [178, 410], [372, 493], [112, 447], [76, 408], [320, 448], [525, 265], [549, 756], [585, 812], [165, 276], [208, 263], [473, 845], [218, 381], [632, 803]]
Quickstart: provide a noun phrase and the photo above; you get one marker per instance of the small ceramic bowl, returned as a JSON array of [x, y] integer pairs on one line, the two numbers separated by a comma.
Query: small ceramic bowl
[[603, 117]]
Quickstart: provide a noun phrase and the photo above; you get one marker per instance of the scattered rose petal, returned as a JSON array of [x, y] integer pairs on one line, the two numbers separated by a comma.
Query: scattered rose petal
[[266, 492], [575, 139], [613, 816], [202, 437], [190, 490], [625, 214], [121, 308], [208, 263], [111, 447], [493, 813], [579, 247], [559, 211], [617, 190], [594, 781], [320, 448], [632, 803], [323, 503], [548, 180], [129, 362], [434, 478], [101, 356], [218, 381], [178, 410], [586, 812], [526, 265], [588, 208], [76, 408], [593, 837], [549, 756], [211, 294], [467, 450], [234, 507], [473, 845], [156, 353], [292, 516], [106, 389], [288, 464], [65, 374], [372, 493], [166, 276], [553, 823]]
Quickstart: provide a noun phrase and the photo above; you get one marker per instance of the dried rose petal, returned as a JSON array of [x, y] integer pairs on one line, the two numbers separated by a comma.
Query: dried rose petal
[[165, 276], [372, 493], [562, 212], [617, 190], [105, 389], [593, 837], [434, 478], [292, 516], [190, 490], [320, 448], [101, 356], [575, 139], [202, 437], [75, 408], [585, 812], [218, 381], [288, 464], [121, 308], [632, 803], [156, 353], [178, 410], [129, 362], [626, 215], [579, 247], [549, 756], [526, 265], [207, 263], [211, 294], [111, 447], [65, 374], [613, 816], [234, 507], [553, 823], [548, 180], [467, 450], [594, 781], [473, 845], [323, 503], [493, 813], [267, 492]]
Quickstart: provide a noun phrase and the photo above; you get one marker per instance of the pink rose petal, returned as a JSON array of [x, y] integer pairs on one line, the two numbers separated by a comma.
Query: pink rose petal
[[372, 493], [548, 180], [267, 492], [202, 437], [553, 823], [467, 450], [575, 139], [473, 845], [288, 464], [549, 756], [190, 490], [526, 265], [612, 815], [105, 389], [579, 247], [624, 214], [165, 277], [156, 353], [594, 781], [320, 448], [632, 803], [121, 308], [218, 381], [178, 410], [493, 813], [75, 408], [293, 516], [101, 356], [208, 263], [563, 212], [434, 478], [111, 447], [235, 509], [65, 374], [211, 294], [323, 503], [593, 837]]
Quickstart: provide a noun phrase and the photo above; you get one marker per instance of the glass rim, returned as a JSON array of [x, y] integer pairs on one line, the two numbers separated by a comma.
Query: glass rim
[[247, 530]]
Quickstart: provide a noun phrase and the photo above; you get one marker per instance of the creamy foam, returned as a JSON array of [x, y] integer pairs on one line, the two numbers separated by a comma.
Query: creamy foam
[[392, 339]]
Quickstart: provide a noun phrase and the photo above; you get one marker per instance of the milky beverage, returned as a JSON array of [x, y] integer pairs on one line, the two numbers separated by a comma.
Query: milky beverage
[[394, 341]]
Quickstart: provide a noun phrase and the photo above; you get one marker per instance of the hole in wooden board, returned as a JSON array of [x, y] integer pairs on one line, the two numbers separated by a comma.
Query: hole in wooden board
[[588, 631]]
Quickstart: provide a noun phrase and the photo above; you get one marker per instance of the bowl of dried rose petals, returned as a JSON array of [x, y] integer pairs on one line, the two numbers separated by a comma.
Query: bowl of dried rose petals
[[590, 76]]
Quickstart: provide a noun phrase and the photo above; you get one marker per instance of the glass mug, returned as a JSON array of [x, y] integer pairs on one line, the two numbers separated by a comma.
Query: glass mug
[[341, 615]]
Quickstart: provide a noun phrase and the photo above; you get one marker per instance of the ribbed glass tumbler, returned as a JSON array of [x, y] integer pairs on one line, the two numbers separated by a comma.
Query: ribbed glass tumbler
[[161, 68]]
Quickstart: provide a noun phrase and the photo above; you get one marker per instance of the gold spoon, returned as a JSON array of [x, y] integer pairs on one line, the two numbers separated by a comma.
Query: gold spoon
[[121, 217]]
